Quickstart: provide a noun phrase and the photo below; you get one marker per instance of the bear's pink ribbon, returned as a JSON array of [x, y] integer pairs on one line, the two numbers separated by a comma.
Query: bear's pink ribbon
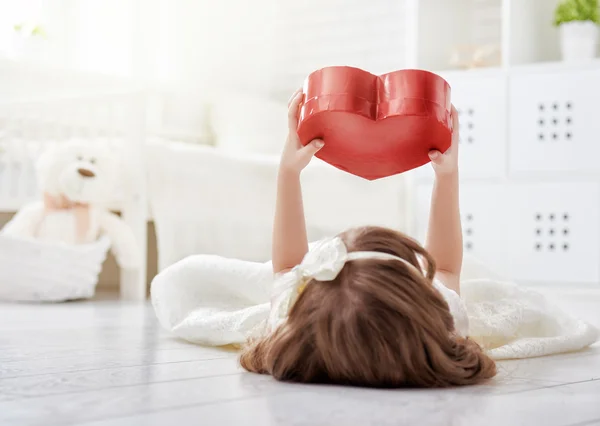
[[81, 212]]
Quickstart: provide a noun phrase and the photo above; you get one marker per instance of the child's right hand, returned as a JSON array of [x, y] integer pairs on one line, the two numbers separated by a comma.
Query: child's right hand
[[447, 163], [295, 156]]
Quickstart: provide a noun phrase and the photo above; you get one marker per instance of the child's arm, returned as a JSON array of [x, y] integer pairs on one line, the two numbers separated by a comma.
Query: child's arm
[[444, 236], [290, 242]]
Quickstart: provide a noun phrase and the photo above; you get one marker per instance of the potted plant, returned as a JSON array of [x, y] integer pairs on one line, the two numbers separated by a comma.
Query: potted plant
[[578, 25]]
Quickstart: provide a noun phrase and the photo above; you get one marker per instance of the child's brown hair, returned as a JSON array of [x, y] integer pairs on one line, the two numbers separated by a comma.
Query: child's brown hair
[[378, 324]]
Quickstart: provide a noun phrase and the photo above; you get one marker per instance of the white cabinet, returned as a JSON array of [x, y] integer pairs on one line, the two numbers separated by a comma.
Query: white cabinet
[[554, 122], [530, 232], [554, 232]]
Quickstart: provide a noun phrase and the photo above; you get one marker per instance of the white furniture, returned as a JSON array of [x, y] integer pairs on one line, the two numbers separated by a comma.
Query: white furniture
[[221, 199], [207, 200], [529, 136], [530, 183], [531, 187]]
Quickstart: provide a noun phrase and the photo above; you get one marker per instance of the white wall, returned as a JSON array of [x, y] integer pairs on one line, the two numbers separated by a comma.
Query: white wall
[[314, 33], [224, 43]]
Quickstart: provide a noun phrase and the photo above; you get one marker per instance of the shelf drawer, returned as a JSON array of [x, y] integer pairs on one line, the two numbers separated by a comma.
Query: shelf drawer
[[530, 232], [554, 122], [554, 232], [484, 221]]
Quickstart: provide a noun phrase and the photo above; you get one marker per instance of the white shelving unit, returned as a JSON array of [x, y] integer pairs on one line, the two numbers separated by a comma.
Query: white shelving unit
[[529, 139]]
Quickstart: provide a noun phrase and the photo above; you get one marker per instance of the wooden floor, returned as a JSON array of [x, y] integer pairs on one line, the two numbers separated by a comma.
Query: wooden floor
[[108, 363]]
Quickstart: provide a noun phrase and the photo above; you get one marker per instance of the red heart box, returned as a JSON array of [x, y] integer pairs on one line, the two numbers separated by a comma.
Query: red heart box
[[376, 126]]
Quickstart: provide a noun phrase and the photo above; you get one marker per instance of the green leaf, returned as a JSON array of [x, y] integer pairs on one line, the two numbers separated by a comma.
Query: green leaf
[[576, 10]]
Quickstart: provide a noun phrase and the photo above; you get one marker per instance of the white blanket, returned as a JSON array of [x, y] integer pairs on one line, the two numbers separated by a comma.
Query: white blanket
[[214, 301]]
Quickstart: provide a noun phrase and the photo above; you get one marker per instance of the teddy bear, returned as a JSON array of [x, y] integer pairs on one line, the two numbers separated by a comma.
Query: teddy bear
[[77, 180]]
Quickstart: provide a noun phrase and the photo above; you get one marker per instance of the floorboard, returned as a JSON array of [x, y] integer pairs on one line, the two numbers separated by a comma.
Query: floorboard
[[108, 363]]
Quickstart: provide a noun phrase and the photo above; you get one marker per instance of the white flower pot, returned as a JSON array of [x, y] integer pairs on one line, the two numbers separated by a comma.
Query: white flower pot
[[578, 40]]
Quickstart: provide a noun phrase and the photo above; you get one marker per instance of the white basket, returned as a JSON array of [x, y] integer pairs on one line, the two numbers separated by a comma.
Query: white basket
[[36, 271]]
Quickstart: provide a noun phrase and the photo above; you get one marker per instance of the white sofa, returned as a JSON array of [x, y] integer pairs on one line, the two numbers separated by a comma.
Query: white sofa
[[220, 199], [208, 200]]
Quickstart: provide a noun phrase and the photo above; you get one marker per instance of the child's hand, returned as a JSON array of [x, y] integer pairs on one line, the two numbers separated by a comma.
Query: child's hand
[[447, 163], [295, 156]]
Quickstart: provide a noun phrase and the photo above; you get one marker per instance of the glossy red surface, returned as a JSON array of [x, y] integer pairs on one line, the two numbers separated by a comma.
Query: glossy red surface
[[376, 126]]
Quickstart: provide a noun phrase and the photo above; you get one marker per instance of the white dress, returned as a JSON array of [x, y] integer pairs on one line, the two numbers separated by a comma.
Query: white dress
[[457, 308], [215, 301]]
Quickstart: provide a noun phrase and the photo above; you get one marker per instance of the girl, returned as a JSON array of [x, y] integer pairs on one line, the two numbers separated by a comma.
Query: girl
[[370, 307]]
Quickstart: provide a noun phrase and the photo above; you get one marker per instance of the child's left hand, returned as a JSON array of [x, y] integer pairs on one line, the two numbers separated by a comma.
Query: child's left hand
[[447, 163], [295, 156]]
